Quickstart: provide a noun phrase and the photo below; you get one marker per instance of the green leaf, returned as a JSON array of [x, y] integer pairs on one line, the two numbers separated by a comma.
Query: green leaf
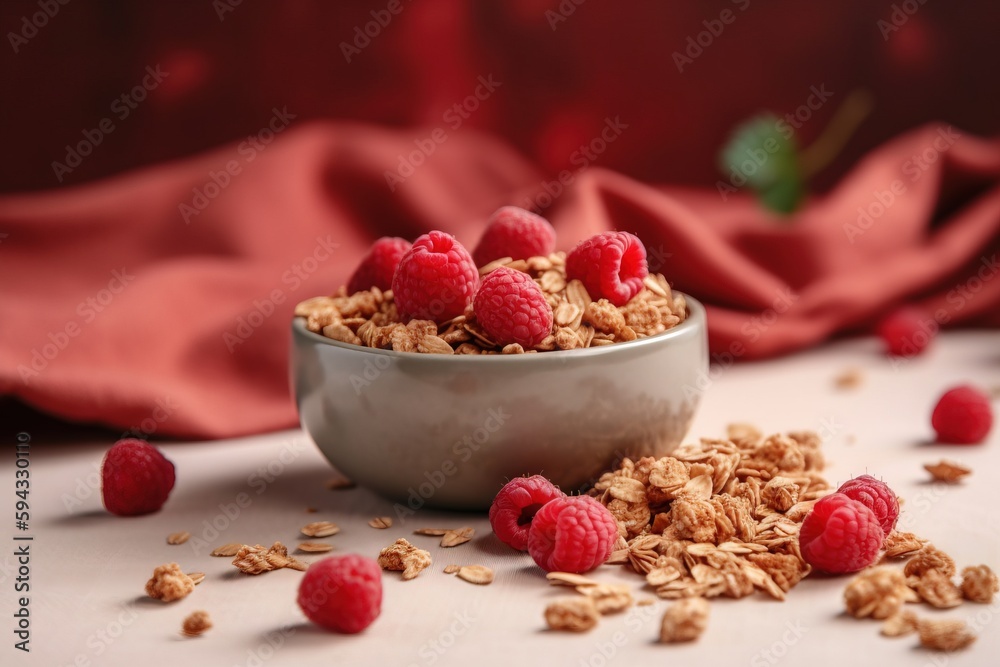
[[762, 154]]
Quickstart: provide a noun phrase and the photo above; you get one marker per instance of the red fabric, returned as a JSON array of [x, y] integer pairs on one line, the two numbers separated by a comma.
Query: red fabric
[[168, 351]]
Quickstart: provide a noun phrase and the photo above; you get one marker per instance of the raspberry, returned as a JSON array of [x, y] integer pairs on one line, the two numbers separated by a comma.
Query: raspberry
[[515, 233], [515, 506], [611, 266], [378, 265], [342, 593], [962, 416], [435, 280], [906, 331], [840, 535], [135, 478], [572, 534], [512, 308], [876, 496]]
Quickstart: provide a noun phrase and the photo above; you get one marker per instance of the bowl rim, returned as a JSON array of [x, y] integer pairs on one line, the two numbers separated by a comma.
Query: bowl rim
[[697, 318]]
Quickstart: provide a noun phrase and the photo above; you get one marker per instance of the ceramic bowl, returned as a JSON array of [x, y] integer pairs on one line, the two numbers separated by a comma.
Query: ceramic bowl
[[428, 430]]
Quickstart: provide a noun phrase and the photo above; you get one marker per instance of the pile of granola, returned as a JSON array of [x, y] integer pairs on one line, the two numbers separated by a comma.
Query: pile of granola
[[369, 317], [718, 517]]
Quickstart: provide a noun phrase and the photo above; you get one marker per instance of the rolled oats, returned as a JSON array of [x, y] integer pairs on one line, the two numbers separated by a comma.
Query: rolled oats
[[196, 577], [878, 593], [453, 538], [476, 574], [227, 550], [902, 545], [947, 471], [901, 624], [179, 537], [452, 569], [608, 598], [320, 529], [381, 522], [929, 558], [315, 547]]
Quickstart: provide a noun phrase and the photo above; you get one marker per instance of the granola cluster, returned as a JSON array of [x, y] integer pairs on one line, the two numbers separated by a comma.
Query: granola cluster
[[718, 517], [929, 577], [369, 318], [169, 583]]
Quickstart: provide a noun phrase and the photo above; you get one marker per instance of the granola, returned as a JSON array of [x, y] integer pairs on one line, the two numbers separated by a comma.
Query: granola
[[257, 559], [572, 614], [169, 583], [320, 529], [179, 537], [979, 584], [369, 318], [878, 593], [684, 620], [476, 574], [717, 517], [401, 556], [197, 623], [945, 635]]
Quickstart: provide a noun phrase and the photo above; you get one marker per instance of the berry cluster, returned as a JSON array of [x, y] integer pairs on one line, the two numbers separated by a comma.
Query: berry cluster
[[562, 533], [437, 278]]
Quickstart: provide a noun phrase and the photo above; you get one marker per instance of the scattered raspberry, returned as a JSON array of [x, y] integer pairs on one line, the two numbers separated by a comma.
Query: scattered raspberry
[[572, 534], [876, 496], [840, 535], [435, 280], [378, 265], [342, 593], [962, 416], [135, 478], [907, 331], [512, 308], [516, 505], [515, 233], [611, 266]]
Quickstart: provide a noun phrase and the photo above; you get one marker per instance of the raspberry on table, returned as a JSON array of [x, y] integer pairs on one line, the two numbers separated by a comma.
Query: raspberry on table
[[511, 307], [963, 416], [515, 233], [840, 535], [435, 280], [876, 496], [572, 534], [610, 265], [378, 265], [342, 593], [515, 506], [135, 478], [905, 331]]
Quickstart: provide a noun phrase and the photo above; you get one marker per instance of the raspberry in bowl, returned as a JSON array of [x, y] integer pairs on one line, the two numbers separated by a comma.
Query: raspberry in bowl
[[482, 376]]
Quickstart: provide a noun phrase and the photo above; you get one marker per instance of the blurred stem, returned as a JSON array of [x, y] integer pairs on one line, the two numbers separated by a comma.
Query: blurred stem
[[845, 122]]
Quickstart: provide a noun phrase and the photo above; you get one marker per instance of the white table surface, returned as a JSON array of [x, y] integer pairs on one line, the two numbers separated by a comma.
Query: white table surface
[[88, 567]]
